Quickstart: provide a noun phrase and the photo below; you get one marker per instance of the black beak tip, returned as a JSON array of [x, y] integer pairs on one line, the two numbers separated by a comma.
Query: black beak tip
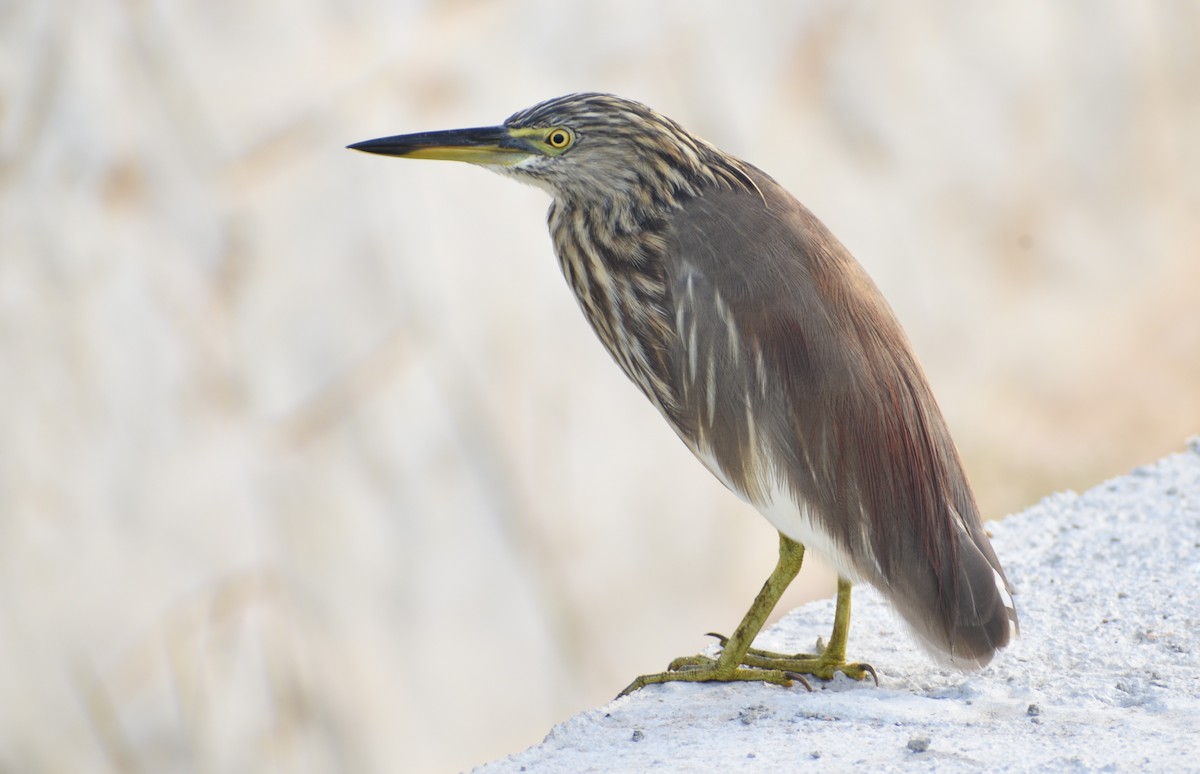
[[384, 146]]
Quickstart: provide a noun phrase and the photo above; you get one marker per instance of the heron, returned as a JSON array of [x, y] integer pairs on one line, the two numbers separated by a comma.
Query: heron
[[776, 360]]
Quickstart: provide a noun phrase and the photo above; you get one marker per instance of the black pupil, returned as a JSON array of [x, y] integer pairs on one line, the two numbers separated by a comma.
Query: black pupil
[[558, 138]]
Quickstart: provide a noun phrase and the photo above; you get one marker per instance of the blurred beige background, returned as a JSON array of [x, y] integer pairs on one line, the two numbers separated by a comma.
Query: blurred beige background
[[308, 461]]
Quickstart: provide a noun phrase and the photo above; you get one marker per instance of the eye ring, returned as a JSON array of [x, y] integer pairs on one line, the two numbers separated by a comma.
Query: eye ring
[[560, 138]]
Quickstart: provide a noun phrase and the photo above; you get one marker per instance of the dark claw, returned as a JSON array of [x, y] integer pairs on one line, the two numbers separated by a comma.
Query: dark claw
[[803, 680]]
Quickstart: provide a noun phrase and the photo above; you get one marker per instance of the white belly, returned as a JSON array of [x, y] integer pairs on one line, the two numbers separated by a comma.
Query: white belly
[[794, 519]]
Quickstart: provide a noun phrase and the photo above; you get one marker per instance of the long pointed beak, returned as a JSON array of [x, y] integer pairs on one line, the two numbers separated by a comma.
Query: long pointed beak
[[483, 145]]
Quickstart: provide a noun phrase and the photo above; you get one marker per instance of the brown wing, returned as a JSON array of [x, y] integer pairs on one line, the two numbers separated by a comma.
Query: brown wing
[[798, 382]]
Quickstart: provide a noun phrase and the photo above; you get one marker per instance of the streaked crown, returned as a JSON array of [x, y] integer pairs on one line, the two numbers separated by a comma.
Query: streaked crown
[[614, 147]]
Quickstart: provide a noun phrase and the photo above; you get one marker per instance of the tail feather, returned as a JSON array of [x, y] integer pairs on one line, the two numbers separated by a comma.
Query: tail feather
[[968, 615]]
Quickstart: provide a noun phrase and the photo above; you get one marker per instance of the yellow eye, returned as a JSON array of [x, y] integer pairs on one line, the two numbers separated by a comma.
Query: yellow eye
[[560, 139]]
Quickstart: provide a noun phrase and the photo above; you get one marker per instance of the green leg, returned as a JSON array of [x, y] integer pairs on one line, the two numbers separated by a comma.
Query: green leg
[[829, 661], [836, 649], [728, 666], [739, 661]]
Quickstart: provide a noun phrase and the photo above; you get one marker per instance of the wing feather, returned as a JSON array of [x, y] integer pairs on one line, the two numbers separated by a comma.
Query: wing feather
[[802, 393]]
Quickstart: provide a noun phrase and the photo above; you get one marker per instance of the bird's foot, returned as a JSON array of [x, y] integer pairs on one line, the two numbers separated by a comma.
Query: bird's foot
[[702, 669], [823, 665]]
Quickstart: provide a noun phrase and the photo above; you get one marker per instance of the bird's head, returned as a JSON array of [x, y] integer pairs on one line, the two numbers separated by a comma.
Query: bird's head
[[578, 147]]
